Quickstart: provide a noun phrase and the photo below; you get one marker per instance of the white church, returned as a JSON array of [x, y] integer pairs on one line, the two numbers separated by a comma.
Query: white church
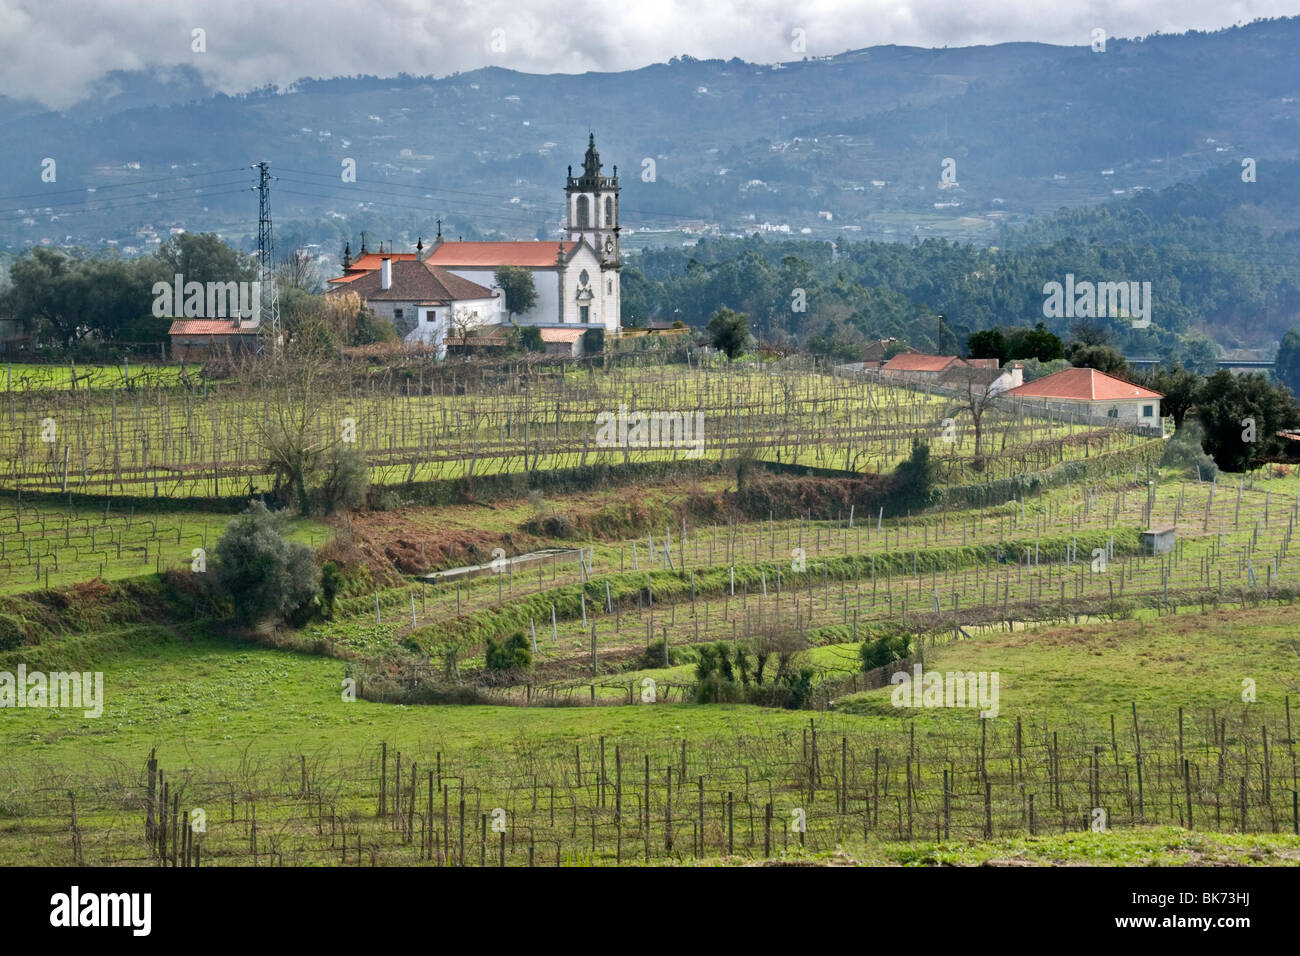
[[441, 289]]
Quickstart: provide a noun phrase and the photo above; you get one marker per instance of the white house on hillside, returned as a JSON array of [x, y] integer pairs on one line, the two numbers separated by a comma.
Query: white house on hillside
[[1094, 393], [427, 304]]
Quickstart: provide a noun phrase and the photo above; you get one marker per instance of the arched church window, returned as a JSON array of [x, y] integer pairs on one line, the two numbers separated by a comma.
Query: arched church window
[[609, 210], [584, 213]]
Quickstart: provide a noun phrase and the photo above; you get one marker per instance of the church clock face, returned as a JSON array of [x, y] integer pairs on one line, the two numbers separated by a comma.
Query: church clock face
[[609, 247]]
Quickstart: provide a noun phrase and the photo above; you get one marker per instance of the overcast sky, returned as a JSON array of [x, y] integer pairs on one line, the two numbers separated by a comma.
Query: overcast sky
[[55, 50]]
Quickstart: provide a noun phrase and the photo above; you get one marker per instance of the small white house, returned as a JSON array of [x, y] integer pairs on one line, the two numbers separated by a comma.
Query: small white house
[[427, 304], [1092, 393]]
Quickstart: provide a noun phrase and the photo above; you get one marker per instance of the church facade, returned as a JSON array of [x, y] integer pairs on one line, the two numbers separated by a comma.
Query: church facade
[[576, 279]]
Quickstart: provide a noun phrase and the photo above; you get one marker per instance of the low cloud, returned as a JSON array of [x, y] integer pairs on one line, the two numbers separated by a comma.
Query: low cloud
[[57, 51]]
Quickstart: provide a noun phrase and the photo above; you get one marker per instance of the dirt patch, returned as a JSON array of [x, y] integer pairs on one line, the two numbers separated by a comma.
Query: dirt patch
[[400, 542]]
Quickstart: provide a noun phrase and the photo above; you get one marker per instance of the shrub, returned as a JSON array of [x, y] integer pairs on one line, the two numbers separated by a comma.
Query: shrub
[[1184, 454], [653, 655], [714, 689], [530, 339], [915, 480], [732, 674], [331, 584], [387, 500], [799, 684], [1119, 609], [13, 632], [512, 654], [344, 480], [259, 571], [884, 650], [728, 331], [374, 329]]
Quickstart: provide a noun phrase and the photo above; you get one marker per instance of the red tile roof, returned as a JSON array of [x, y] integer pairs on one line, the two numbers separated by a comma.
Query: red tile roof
[[562, 335], [415, 281], [1082, 384], [960, 373], [535, 255], [370, 262], [373, 260], [208, 327], [918, 362]]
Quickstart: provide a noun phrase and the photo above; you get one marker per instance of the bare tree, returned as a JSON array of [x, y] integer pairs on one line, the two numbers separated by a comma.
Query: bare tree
[[292, 380], [298, 270], [340, 314], [976, 387], [462, 323]]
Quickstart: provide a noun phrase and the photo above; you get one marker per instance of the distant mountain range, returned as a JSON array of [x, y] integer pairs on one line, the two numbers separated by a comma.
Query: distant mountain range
[[852, 145]]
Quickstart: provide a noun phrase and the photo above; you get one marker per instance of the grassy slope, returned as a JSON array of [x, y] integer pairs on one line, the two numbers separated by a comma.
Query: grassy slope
[[212, 696], [215, 705]]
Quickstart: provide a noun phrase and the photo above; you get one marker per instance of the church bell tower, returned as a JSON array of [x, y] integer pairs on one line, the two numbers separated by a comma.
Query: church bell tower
[[591, 214], [592, 207]]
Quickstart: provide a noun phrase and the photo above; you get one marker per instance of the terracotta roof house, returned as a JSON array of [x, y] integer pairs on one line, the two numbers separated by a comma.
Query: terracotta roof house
[[917, 366], [367, 262], [426, 303], [1093, 393], [196, 340], [567, 342], [951, 371]]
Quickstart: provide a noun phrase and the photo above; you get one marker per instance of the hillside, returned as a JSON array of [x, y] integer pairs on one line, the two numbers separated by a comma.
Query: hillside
[[1031, 128]]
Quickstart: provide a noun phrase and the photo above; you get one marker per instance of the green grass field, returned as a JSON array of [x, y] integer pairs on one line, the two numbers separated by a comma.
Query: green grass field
[[223, 714]]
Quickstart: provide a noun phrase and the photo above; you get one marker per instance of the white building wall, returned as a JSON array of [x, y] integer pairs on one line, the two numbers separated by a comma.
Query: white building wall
[[612, 308], [1128, 411], [435, 325], [545, 311], [585, 259]]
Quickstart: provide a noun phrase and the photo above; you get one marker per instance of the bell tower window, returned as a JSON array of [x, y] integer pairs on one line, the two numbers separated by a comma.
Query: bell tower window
[[609, 212], [584, 212]]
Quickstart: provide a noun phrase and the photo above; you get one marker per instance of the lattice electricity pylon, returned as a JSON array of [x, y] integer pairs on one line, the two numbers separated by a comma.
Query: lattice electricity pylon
[[270, 299]]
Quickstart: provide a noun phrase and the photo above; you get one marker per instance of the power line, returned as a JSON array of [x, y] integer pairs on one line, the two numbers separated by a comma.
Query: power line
[[70, 213], [429, 210], [344, 190], [21, 211], [483, 195], [140, 182]]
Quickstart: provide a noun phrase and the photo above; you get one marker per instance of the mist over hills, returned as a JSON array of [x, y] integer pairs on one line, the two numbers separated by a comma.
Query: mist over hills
[[861, 136]]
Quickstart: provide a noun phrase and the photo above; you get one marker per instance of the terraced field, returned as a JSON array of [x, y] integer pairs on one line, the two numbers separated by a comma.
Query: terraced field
[[201, 441], [380, 735]]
